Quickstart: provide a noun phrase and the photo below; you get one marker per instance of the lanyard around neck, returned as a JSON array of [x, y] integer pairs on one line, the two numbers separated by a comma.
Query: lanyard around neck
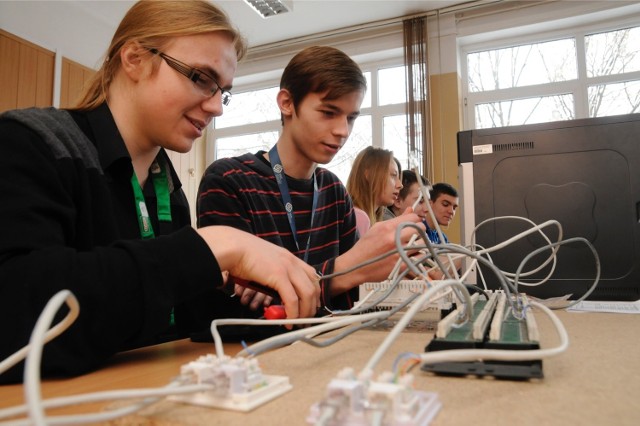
[[281, 179], [161, 187]]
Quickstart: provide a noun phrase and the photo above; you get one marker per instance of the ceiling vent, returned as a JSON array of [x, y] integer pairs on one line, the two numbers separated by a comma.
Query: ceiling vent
[[268, 8]]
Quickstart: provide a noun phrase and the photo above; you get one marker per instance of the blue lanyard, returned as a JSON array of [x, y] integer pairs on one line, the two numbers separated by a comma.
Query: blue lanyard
[[281, 179]]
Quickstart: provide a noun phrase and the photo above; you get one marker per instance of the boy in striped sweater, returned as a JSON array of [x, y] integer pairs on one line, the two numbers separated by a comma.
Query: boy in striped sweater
[[283, 196]]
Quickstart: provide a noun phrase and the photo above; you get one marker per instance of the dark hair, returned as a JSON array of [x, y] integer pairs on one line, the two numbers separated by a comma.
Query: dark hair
[[442, 188], [408, 179], [320, 69]]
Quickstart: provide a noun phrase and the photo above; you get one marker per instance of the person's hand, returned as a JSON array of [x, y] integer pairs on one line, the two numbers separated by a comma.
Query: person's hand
[[253, 259], [254, 299], [379, 239], [435, 273]]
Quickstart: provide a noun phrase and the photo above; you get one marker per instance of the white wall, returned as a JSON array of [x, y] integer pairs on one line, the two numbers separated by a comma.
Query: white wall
[[79, 30], [73, 29]]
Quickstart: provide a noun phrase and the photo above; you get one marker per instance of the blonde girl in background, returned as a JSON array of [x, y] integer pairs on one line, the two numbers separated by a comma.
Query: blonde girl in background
[[373, 184]]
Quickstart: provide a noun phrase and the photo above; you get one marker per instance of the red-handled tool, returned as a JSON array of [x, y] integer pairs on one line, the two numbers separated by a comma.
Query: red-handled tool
[[275, 312]]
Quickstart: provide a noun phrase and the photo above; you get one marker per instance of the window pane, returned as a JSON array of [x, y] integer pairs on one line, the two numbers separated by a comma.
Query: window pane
[[395, 137], [614, 99], [392, 88], [238, 145], [360, 139], [366, 102], [525, 111], [520, 66], [613, 52], [250, 107]]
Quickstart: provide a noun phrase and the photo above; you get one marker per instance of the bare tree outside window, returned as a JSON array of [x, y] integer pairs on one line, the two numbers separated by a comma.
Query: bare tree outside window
[[500, 80], [614, 99], [610, 53], [613, 52], [250, 107], [395, 138], [238, 145], [252, 121], [524, 111], [524, 65]]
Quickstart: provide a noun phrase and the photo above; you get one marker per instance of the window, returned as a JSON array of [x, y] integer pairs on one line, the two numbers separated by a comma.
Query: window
[[584, 74], [256, 106], [252, 121]]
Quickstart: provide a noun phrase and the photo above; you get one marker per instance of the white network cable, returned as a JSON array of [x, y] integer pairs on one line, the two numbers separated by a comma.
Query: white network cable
[[53, 305], [534, 228], [413, 310], [328, 323], [333, 323], [323, 325], [151, 395], [35, 406], [425, 192]]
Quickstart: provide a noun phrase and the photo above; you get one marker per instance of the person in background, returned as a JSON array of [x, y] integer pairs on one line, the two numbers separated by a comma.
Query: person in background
[[285, 197], [407, 197], [444, 202], [374, 183], [92, 204]]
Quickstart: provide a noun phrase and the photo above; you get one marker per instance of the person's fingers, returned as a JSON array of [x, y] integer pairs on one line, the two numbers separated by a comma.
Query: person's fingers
[[247, 296], [267, 301], [307, 288], [257, 301], [408, 232], [238, 289], [290, 301], [252, 259]]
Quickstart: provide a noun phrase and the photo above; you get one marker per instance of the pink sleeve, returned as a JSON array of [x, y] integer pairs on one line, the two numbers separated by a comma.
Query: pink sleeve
[[363, 223]]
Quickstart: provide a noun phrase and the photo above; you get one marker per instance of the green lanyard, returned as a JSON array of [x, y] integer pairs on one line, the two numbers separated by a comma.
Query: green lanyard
[[161, 186]]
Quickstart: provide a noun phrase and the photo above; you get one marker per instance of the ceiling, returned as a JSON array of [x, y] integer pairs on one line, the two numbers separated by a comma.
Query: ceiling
[[307, 16]]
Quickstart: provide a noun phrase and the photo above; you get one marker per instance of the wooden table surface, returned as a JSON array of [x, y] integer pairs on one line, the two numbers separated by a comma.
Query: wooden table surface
[[594, 382]]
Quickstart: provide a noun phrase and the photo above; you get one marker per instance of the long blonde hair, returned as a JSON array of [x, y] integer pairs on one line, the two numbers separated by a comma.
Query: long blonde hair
[[152, 24], [368, 177]]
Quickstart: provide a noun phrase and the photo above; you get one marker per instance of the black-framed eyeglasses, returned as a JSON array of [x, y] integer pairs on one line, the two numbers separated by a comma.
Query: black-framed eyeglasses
[[203, 81]]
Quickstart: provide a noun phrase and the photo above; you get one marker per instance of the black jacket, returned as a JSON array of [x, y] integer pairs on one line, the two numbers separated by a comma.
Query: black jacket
[[68, 221]]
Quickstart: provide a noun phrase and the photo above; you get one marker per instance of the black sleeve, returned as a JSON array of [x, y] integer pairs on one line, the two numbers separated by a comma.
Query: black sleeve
[[50, 219]]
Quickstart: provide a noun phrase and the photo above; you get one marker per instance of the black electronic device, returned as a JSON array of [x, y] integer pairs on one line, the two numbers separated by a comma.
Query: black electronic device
[[583, 173]]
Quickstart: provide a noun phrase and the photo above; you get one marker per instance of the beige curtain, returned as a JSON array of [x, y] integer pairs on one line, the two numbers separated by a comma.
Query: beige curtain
[[417, 79]]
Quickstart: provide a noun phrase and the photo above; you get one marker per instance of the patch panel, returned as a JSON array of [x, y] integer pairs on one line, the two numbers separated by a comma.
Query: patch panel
[[493, 326], [400, 293]]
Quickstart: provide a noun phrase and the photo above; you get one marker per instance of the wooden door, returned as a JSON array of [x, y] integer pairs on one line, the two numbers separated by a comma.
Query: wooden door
[[75, 77], [26, 73]]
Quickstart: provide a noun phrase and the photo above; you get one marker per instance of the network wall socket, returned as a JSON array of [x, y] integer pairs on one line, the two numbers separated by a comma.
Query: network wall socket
[[239, 384]]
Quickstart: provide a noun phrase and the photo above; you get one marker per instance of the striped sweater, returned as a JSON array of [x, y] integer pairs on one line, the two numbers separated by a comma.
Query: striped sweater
[[242, 192]]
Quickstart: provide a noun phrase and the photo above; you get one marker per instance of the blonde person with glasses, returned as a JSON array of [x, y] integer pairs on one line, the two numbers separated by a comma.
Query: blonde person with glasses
[[92, 204]]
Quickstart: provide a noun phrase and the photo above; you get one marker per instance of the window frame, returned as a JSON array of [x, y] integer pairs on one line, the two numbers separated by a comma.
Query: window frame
[[578, 87], [376, 111]]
